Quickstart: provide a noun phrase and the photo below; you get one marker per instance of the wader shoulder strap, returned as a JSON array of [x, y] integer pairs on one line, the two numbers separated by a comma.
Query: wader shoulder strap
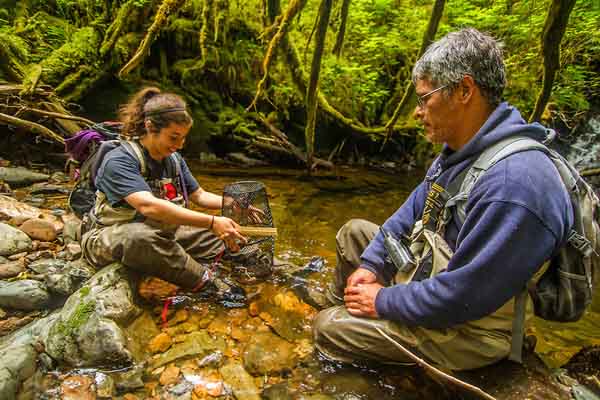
[[518, 327], [177, 175], [134, 149]]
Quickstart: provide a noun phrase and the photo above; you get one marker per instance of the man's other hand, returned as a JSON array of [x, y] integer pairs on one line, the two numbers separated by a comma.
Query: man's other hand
[[360, 299], [361, 275]]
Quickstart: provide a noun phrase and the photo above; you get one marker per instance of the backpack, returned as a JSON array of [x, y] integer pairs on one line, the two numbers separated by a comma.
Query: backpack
[[89, 147], [564, 289]]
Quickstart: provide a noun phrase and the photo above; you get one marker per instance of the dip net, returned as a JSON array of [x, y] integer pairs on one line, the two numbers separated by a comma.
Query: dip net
[[247, 204]]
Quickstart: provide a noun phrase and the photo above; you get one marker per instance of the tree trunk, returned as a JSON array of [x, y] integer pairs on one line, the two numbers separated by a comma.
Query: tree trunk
[[313, 85], [339, 40], [434, 22], [554, 29]]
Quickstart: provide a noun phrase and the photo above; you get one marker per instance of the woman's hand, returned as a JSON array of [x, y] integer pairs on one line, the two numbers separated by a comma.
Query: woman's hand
[[227, 230]]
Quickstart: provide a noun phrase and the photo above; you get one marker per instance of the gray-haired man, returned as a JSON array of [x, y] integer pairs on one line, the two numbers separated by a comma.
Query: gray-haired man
[[456, 308]]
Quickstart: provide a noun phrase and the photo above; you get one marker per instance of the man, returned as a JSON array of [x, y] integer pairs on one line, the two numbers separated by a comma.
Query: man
[[456, 307]]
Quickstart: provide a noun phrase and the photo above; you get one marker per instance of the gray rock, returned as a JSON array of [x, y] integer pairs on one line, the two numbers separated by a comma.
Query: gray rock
[[24, 295], [61, 284], [18, 364], [240, 381], [268, 354], [47, 266], [19, 176], [72, 228], [59, 177], [3, 260], [48, 188], [11, 269], [87, 331], [13, 241]]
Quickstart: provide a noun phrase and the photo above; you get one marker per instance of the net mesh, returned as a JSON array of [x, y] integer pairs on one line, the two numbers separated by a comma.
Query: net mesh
[[247, 204]]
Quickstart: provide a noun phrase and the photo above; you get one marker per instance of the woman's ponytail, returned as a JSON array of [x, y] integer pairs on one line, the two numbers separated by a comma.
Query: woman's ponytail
[[151, 104]]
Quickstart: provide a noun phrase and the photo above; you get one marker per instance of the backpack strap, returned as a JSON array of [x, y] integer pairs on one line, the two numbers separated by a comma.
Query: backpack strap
[[488, 158]]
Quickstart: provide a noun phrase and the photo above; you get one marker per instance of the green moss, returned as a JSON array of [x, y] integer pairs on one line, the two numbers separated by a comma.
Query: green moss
[[81, 50], [84, 291], [78, 318]]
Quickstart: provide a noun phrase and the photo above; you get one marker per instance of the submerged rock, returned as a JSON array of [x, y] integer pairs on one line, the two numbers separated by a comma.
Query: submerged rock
[[13, 241], [19, 176], [195, 344], [268, 354], [87, 331], [11, 208], [24, 295], [240, 381]]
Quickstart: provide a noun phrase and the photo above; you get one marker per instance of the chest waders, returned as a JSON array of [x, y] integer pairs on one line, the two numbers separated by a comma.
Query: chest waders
[[433, 254], [104, 214]]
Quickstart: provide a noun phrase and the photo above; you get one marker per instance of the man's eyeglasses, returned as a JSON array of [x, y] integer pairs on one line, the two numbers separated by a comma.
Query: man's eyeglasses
[[421, 99]]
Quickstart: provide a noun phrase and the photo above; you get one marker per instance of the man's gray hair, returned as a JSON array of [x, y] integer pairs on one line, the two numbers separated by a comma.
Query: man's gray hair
[[466, 52]]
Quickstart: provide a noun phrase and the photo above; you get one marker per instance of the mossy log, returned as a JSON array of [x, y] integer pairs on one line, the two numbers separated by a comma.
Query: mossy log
[[114, 30]]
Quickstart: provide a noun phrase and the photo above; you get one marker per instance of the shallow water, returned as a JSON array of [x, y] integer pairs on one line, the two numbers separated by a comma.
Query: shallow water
[[308, 214]]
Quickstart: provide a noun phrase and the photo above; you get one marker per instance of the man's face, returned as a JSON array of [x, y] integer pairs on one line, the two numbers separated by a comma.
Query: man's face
[[438, 112]]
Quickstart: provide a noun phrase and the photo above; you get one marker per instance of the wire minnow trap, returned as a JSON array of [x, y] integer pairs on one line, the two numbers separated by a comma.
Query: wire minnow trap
[[247, 204]]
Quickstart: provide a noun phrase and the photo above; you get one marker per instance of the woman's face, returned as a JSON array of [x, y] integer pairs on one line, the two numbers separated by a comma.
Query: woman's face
[[168, 140]]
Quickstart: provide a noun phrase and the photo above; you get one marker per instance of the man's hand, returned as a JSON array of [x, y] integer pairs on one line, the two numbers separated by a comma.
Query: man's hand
[[228, 231], [361, 275], [360, 299]]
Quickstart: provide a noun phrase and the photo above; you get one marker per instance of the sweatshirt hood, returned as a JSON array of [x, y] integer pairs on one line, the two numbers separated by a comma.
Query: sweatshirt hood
[[505, 121]]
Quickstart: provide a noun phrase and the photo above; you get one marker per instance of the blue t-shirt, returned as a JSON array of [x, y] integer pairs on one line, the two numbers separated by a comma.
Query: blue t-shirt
[[120, 175]]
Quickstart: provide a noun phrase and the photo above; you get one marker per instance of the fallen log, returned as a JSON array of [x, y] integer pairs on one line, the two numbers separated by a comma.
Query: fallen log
[[32, 126]]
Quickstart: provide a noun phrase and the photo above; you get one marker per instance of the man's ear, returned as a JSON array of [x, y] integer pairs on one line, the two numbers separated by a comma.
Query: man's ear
[[467, 89]]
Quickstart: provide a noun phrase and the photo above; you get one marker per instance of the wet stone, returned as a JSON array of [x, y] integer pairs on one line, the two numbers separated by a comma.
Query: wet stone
[[169, 376], [268, 354], [19, 176], [13, 240], [11, 269], [240, 381], [13, 323], [129, 380], [105, 386], [196, 344], [39, 229], [78, 388], [160, 343], [3, 260], [24, 295], [10, 208], [279, 391]]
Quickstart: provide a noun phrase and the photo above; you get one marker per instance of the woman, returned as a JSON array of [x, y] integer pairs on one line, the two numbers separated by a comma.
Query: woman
[[139, 217]]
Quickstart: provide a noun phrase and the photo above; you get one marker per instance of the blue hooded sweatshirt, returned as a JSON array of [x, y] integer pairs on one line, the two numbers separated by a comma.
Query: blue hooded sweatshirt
[[517, 216]]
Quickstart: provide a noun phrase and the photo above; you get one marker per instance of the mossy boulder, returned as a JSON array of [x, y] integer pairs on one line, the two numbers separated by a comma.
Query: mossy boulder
[[88, 331]]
